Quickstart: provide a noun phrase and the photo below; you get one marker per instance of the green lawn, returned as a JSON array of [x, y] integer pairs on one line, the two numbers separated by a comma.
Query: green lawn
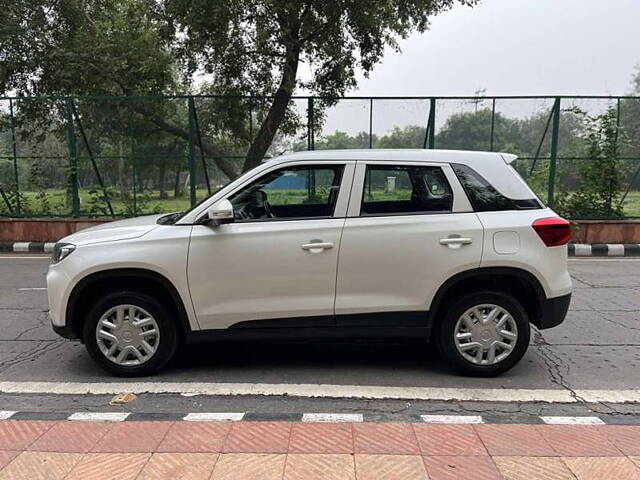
[[150, 202]]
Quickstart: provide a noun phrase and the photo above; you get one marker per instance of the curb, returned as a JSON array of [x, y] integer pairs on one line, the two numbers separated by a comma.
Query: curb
[[604, 250], [27, 247], [521, 419], [575, 249]]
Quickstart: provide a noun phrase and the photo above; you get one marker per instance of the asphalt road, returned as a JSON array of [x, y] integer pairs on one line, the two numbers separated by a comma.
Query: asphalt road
[[596, 348]]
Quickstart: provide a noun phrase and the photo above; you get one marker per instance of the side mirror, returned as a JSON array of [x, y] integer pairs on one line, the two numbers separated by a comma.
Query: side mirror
[[221, 212]]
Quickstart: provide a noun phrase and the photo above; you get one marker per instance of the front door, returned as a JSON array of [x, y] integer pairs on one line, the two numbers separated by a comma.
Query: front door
[[275, 265]]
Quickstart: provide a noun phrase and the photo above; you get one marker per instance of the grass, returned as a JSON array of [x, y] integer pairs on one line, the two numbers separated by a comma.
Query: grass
[[150, 202]]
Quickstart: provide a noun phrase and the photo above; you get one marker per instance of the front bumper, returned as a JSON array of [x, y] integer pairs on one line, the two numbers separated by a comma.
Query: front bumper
[[553, 311], [64, 331]]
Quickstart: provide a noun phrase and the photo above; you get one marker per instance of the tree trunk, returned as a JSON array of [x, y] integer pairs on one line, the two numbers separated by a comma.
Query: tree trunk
[[268, 129], [161, 178], [177, 192]]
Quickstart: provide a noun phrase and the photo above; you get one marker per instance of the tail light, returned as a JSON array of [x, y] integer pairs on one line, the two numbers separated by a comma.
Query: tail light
[[553, 231]]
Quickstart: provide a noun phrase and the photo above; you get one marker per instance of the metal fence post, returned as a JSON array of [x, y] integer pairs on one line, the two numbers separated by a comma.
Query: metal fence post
[[310, 125], [371, 123], [132, 157], [192, 153], [555, 132], [14, 149], [432, 123], [493, 124], [73, 160]]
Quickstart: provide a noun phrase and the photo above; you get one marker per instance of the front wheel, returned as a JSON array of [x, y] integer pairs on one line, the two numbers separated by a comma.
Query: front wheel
[[484, 334], [129, 334]]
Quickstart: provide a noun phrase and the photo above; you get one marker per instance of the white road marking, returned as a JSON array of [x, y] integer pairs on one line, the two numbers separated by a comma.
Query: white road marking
[[332, 417], [4, 414], [324, 391], [572, 420], [451, 418], [99, 416], [31, 288], [213, 417]]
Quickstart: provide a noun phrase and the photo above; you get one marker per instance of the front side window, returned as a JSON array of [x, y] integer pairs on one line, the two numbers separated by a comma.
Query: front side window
[[399, 189], [293, 192]]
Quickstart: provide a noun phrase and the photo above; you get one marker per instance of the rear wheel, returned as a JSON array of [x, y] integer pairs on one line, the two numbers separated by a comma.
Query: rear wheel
[[129, 334], [484, 333]]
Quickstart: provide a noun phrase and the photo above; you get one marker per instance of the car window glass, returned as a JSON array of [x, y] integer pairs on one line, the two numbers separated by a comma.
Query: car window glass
[[294, 192], [390, 190], [484, 197]]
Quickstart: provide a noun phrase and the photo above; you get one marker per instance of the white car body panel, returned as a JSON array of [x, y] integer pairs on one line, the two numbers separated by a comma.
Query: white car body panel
[[380, 270], [114, 231], [252, 271], [162, 250], [547, 264]]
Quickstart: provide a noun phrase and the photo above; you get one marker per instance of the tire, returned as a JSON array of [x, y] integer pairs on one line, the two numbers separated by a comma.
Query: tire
[[453, 322], [164, 342]]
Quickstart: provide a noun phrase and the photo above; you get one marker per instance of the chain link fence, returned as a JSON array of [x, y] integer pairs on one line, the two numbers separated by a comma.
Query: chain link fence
[[126, 156]]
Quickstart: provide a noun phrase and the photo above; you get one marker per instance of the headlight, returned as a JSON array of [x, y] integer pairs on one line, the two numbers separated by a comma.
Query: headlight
[[62, 251]]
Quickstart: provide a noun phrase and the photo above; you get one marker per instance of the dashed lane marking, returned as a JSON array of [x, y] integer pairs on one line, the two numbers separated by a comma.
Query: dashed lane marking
[[213, 417], [332, 417], [99, 416], [555, 420], [451, 418]]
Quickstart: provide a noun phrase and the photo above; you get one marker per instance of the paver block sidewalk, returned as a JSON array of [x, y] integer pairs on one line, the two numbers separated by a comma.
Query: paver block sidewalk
[[296, 450]]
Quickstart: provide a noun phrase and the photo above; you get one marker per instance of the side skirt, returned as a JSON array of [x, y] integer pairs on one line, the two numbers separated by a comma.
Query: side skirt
[[380, 326]]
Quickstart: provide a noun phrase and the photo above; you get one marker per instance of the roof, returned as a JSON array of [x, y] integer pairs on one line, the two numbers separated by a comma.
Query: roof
[[406, 154]]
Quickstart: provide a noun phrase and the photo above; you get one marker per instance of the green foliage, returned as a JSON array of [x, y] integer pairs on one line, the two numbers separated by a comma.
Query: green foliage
[[598, 195], [234, 47], [37, 180]]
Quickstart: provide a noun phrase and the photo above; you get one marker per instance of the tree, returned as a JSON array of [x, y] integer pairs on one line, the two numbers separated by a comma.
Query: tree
[[598, 194], [241, 47]]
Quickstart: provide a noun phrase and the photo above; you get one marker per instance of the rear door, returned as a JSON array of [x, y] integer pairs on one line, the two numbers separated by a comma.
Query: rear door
[[409, 228]]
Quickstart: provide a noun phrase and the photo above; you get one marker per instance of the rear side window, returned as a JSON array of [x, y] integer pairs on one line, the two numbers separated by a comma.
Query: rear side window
[[398, 190], [485, 198]]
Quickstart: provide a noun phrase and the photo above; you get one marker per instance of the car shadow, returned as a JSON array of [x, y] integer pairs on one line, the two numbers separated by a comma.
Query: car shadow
[[347, 355]]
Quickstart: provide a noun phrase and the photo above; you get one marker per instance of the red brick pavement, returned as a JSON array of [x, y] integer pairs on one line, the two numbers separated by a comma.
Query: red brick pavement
[[292, 450]]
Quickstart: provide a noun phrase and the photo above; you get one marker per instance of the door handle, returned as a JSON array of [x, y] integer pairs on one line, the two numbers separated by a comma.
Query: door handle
[[456, 241], [314, 247]]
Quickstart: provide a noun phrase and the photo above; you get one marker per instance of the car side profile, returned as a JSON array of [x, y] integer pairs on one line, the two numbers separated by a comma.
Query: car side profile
[[451, 247]]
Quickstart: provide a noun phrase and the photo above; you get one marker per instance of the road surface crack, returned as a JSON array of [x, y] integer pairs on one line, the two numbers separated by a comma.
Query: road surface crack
[[42, 347]]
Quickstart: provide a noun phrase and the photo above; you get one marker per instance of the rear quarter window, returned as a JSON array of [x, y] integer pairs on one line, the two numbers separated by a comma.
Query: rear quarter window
[[484, 197]]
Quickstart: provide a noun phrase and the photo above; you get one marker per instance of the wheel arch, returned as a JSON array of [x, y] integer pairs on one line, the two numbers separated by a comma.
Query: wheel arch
[[138, 279], [516, 281]]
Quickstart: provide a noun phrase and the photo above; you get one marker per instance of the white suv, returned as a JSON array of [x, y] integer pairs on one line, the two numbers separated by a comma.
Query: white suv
[[445, 245]]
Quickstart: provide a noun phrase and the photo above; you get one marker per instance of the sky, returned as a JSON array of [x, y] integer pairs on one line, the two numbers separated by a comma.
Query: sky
[[508, 47], [517, 47]]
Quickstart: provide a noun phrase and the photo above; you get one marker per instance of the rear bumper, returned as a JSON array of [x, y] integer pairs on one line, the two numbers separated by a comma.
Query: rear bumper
[[553, 311]]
